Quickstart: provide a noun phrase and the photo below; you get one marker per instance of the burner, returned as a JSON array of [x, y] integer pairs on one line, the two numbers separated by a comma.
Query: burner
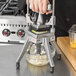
[[9, 7]]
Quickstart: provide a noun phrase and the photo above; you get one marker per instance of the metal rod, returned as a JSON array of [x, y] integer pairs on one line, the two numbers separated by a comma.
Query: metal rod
[[28, 7], [53, 14], [53, 8]]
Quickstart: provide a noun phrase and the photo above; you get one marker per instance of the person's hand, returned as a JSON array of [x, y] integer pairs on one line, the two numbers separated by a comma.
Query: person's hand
[[39, 6]]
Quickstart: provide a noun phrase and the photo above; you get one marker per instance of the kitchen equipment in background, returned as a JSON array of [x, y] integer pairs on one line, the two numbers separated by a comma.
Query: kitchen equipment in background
[[11, 26], [12, 29]]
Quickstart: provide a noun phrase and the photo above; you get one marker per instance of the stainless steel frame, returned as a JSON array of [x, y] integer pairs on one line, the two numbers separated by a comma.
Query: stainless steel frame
[[44, 38]]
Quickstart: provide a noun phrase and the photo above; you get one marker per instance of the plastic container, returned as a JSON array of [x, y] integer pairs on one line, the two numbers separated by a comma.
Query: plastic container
[[35, 58], [72, 36]]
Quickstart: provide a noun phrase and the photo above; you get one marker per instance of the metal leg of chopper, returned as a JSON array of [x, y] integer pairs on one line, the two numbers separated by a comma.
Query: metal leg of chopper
[[48, 51], [25, 46], [38, 45], [54, 44]]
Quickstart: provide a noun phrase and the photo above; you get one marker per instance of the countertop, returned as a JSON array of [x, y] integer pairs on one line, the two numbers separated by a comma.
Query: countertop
[[9, 54]]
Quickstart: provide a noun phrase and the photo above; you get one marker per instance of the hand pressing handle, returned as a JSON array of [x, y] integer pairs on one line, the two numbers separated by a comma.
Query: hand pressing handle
[[40, 17], [49, 7]]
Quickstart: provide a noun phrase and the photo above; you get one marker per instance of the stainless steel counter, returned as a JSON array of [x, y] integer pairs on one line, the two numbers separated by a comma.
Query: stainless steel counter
[[9, 54]]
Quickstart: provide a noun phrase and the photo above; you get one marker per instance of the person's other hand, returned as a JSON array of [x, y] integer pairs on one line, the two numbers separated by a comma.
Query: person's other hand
[[39, 6]]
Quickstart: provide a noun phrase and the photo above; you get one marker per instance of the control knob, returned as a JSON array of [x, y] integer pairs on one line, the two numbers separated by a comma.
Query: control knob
[[6, 32], [21, 33]]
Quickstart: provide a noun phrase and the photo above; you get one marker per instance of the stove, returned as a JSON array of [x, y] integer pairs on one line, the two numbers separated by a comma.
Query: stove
[[12, 29]]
